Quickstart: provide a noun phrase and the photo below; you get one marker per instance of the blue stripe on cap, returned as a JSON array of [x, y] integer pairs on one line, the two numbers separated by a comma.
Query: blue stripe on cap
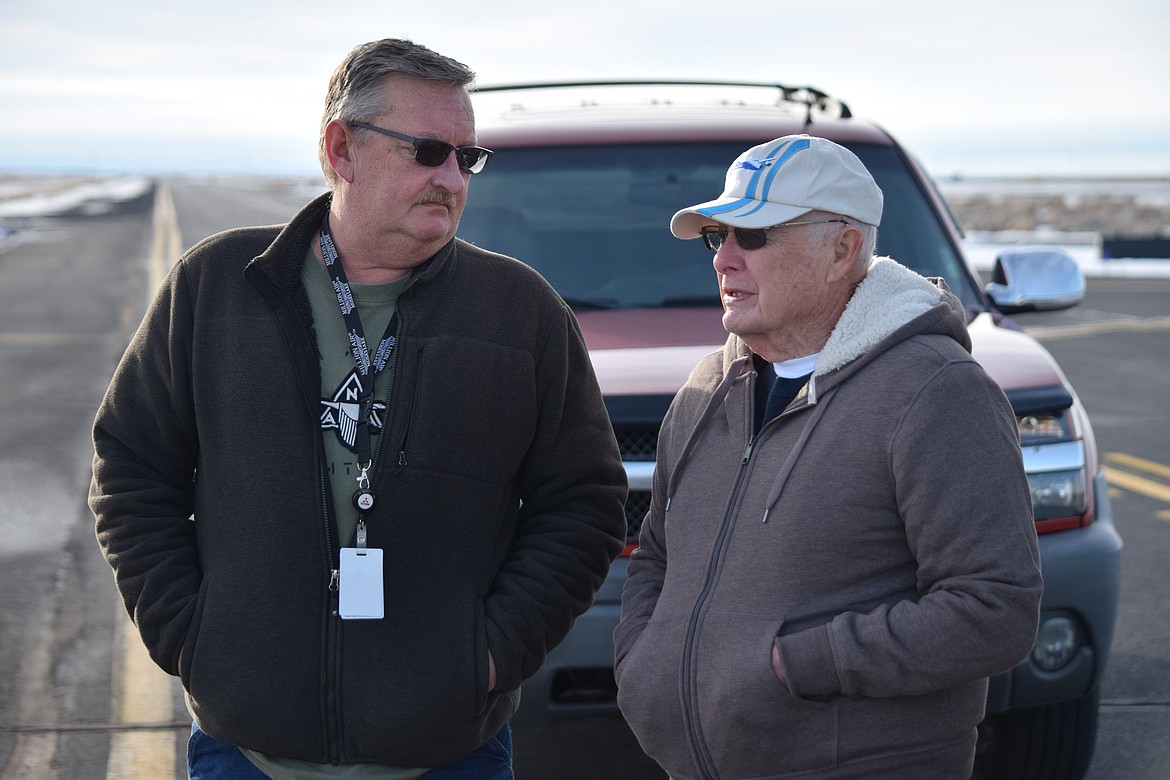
[[793, 148], [785, 152], [711, 212]]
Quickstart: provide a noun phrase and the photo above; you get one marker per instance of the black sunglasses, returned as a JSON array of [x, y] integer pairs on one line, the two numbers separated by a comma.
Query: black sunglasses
[[750, 238], [432, 152]]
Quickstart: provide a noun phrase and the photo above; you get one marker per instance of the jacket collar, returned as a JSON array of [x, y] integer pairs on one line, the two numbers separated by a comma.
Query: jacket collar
[[890, 296], [282, 260], [890, 305]]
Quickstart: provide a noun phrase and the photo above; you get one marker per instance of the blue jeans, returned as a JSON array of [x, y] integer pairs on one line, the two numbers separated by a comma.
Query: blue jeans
[[210, 759]]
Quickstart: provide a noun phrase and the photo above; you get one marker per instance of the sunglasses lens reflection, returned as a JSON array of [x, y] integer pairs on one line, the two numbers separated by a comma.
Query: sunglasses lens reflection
[[432, 153], [747, 238], [472, 159]]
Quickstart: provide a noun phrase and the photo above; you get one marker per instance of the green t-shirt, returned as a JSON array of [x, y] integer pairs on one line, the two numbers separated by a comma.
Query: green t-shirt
[[340, 384], [375, 305]]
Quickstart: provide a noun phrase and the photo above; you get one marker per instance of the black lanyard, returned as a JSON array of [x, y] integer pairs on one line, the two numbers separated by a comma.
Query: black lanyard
[[364, 498]]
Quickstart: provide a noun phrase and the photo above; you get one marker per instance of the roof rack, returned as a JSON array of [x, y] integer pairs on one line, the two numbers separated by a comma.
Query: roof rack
[[809, 97]]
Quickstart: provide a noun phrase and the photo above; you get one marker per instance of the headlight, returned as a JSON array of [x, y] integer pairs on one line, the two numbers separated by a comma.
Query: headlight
[[1043, 428], [1057, 494], [1056, 478]]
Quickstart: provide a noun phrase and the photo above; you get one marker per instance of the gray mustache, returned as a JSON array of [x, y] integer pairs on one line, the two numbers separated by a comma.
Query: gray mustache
[[445, 198]]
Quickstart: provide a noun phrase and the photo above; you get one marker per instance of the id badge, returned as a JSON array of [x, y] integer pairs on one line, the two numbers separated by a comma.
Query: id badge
[[360, 587]]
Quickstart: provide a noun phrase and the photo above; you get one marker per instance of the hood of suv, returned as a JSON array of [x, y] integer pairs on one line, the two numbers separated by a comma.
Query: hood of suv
[[1014, 359], [649, 351]]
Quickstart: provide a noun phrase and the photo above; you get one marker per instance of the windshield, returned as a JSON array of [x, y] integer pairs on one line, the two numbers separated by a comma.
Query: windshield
[[594, 220]]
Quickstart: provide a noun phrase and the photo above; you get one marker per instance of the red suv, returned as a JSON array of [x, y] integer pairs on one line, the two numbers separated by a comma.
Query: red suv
[[584, 183]]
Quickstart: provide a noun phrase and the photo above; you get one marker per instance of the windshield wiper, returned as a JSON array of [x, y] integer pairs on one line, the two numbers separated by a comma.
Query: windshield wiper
[[592, 304]]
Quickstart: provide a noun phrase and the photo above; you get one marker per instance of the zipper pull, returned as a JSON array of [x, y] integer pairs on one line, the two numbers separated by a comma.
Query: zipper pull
[[747, 453], [333, 580]]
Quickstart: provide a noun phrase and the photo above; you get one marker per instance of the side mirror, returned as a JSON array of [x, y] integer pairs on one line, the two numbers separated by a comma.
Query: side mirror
[[1035, 279]]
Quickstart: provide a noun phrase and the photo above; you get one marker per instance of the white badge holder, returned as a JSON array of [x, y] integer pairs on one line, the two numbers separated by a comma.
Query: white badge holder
[[361, 595]]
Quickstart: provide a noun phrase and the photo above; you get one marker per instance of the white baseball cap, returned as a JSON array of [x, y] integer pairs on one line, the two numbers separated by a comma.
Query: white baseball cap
[[778, 181]]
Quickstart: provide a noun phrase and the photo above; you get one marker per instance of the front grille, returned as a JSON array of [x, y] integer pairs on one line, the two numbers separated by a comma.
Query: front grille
[[637, 442], [637, 505]]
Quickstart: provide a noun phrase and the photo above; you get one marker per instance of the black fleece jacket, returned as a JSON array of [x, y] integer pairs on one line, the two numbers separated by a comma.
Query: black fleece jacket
[[500, 501]]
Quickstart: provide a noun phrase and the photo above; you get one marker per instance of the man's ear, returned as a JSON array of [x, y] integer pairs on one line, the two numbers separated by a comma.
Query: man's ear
[[846, 248], [340, 146]]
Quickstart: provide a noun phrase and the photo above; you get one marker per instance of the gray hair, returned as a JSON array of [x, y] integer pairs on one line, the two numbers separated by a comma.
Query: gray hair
[[354, 88]]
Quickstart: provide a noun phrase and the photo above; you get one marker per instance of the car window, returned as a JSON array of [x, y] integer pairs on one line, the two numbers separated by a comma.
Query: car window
[[594, 219]]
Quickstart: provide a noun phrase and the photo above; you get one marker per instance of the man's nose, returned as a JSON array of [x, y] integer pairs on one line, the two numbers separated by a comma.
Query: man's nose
[[449, 177], [729, 257]]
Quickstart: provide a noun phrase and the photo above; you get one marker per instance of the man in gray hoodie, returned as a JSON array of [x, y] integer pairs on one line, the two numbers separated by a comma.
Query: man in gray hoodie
[[840, 550]]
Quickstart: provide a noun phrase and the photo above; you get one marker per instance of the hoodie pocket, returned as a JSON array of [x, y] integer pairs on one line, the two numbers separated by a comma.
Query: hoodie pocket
[[751, 725], [650, 695]]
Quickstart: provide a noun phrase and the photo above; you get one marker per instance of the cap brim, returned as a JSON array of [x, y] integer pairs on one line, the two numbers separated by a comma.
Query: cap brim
[[735, 212]]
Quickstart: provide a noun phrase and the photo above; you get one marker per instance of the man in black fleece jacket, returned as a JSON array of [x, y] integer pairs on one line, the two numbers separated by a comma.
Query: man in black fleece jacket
[[354, 476]]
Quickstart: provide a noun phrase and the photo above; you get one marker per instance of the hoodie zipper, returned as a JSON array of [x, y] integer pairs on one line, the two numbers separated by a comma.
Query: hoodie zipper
[[690, 709]]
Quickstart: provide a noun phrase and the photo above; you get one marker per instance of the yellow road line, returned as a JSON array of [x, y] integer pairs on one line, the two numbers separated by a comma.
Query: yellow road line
[[143, 695], [1139, 464], [166, 242], [1138, 325], [142, 690], [1136, 484]]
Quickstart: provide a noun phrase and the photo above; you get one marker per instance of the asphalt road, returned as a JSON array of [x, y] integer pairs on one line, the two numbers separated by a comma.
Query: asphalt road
[[1120, 367], [68, 299], [73, 704]]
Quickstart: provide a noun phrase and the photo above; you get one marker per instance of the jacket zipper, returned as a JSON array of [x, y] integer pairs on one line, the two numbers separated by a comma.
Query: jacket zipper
[[332, 629], [289, 319], [333, 701], [690, 708]]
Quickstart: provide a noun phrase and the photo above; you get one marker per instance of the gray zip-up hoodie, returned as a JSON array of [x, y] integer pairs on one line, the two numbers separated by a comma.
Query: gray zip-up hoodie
[[878, 533]]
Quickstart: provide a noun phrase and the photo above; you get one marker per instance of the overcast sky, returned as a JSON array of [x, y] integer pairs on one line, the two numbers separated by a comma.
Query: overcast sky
[[1018, 87]]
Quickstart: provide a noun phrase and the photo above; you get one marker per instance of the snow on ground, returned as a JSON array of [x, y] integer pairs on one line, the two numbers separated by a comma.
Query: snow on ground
[[43, 197]]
